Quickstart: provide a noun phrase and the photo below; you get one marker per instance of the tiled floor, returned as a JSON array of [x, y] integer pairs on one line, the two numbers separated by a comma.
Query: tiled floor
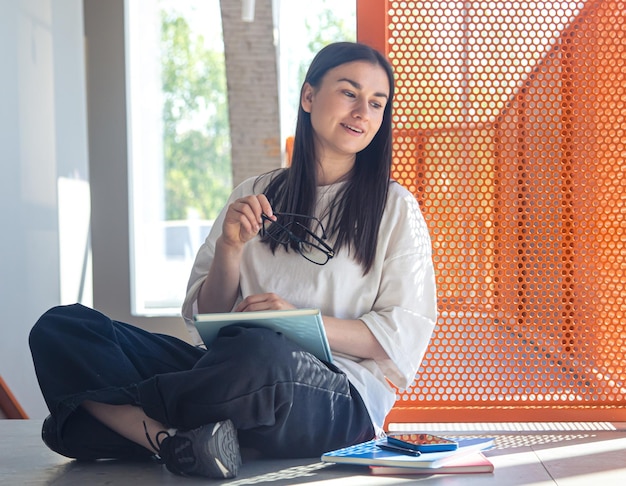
[[559, 454]]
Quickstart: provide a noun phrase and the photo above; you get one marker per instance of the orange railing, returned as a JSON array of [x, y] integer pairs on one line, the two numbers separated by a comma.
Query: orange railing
[[510, 130]]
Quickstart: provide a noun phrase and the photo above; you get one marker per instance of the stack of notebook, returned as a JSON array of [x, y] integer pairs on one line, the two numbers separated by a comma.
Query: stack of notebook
[[466, 458]]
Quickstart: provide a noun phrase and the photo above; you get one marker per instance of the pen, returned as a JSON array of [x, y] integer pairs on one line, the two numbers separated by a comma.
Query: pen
[[399, 450]]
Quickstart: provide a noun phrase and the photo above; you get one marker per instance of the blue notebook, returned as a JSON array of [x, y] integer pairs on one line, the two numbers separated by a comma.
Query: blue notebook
[[369, 454], [303, 326]]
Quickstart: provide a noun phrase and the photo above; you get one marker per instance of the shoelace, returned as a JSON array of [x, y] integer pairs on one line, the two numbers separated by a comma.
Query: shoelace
[[159, 440], [179, 454]]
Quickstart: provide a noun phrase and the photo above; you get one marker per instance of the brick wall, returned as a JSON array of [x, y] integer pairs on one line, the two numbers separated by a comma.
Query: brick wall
[[252, 80]]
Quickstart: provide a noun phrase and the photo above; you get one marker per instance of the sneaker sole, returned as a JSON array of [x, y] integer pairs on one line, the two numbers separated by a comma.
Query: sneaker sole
[[223, 447]]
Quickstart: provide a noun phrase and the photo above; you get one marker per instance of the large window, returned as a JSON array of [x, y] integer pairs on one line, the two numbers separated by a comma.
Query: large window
[[180, 173], [179, 144]]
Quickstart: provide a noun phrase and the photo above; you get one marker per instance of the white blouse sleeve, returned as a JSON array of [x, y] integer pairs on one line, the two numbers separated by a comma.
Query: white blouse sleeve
[[405, 312]]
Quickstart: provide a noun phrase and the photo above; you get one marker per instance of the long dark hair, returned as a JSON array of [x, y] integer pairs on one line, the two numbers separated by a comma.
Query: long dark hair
[[355, 214]]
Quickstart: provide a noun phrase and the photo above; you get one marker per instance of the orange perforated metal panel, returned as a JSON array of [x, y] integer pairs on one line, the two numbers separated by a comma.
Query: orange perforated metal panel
[[510, 129]]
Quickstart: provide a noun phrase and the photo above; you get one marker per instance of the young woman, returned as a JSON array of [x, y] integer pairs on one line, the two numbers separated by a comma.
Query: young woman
[[332, 232]]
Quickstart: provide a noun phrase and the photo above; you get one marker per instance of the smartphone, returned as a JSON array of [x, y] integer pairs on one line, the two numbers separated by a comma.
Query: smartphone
[[422, 442], [399, 450]]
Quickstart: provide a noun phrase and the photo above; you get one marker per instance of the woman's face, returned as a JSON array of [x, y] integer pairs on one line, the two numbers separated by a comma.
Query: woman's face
[[346, 108]]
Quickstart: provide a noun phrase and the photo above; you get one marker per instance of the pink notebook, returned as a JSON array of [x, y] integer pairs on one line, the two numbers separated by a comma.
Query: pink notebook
[[474, 463]]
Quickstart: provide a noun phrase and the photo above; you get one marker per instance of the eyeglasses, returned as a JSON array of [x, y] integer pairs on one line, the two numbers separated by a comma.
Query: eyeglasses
[[313, 248]]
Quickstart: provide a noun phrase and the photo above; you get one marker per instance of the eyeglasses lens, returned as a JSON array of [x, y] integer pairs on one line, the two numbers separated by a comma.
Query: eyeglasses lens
[[313, 253], [277, 232], [289, 234]]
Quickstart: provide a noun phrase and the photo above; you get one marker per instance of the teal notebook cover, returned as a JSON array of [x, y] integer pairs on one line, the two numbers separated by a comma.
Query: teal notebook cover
[[369, 454], [303, 326]]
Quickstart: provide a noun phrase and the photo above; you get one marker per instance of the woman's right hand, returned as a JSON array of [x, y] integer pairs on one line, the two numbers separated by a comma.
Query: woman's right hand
[[243, 219], [242, 222]]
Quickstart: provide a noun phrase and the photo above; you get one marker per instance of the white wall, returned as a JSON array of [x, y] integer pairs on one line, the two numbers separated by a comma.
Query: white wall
[[42, 139]]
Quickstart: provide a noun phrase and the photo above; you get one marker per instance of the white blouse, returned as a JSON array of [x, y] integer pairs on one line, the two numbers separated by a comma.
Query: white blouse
[[396, 299]]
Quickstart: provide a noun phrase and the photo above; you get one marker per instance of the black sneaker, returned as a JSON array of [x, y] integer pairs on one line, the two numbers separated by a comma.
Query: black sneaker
[[211, 451]]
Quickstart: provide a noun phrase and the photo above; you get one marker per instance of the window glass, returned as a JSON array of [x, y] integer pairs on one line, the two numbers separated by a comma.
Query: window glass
[[179, 144]]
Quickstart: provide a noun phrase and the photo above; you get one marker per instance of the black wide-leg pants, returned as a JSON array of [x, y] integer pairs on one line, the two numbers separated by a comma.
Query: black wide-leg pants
[[283, 401]]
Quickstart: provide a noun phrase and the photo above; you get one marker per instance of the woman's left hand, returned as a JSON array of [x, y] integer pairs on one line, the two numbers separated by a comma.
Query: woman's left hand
[[261, 302]]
